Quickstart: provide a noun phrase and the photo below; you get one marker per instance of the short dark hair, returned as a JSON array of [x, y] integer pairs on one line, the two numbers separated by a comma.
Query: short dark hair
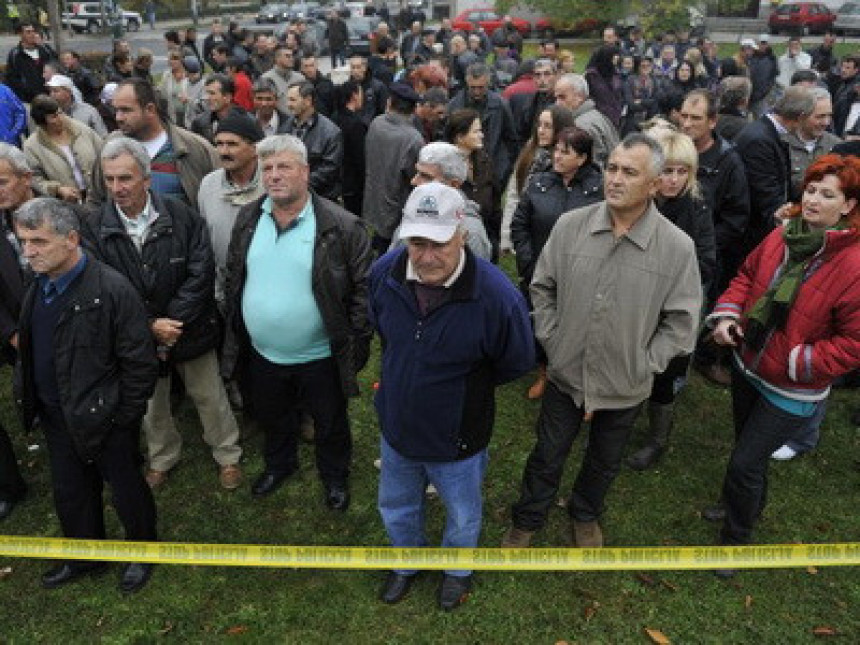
[[234, 62], [119, 59], [221, 49], [305, 88], [72, 53], [435, 96], [263, 84], [459, 123], [854, 59], [172, 36], [225, 82], [26, 23], [804, 76], [707, 97], [346, 91], [42, 107], [144, 92], [580, 141], [401, 105]]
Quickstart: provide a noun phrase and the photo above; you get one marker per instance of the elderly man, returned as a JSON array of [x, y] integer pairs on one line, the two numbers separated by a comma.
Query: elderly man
[[322, 138], [179, 159], [766, 159], [500, 132], [571, 91], [87, 369], [63, 91], [439, 373], [811, 139], [297, 330], [162, 247], [443, 163], [526, 108], [733, 108], [223, 192], [616, 296], [391, 149], [283, 75]]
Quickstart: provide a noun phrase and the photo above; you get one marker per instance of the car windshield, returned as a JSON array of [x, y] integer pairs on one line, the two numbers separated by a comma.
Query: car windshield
[[358, 26], [272, 8], [850, 9]]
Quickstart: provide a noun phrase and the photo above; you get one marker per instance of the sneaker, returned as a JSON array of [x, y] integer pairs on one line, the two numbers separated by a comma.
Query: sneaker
[[454, 591], [587, 535], [784, 454], [230, 476], [155, 478], [431, 491], [517, 538], [377, 463]]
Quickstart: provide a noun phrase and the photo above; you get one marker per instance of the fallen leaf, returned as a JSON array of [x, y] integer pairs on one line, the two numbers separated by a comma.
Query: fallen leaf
[[645, 579], [590, 610], [748, 601], [100, 621], [168, 627], [669, 585], [657, 637], [825, 630], [811, 570], [562, 643], [236, 630], [5, 571]]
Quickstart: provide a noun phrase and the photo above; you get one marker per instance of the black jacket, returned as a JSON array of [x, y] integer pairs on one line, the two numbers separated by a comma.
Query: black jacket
[[24, 74], [354, 132], [730, 123], [543, 201], [324, 144], [526, 108], [88, 84], [723, 182], [206, 124], [375, 98], [768, 170], [13, 282], [339, 281], [693, 216], [174, 273], [104, 357], [323, 94]]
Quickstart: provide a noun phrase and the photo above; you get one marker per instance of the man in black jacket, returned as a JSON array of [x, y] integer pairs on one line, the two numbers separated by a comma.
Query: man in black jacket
[[218, 90], [354, 132], [766, 159], [297, 330], [323, 87], [26, 62], [375, 93], [322, 139], [87, 369], [163, 248]]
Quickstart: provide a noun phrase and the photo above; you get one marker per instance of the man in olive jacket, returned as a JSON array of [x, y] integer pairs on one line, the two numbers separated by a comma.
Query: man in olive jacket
[[297, 322], [87, 369]]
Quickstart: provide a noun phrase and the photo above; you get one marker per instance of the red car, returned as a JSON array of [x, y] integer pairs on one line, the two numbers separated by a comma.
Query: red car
[[801, 18], [487, 18]]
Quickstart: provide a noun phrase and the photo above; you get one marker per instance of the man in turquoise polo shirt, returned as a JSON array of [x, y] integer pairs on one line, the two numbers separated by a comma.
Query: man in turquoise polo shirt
[[296, 299]]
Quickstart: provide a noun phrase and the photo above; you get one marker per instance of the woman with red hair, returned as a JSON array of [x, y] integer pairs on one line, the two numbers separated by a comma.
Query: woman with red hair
[[428, 75], [792, 315]]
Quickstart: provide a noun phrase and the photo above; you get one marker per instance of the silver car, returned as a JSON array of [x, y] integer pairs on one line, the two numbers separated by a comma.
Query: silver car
[[848, 19]]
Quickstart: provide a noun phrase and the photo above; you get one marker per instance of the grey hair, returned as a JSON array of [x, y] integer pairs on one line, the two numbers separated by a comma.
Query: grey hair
[[16, 159], [282, 143], [477, 70], [115, 148], [820, 93], [658, 158], [797, 102], [60, 215], [576, 82], [545, 62], [451, 163], [734, 91]]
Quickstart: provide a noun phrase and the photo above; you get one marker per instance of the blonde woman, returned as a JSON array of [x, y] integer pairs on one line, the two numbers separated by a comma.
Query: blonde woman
[[679, 200], [61, 152]]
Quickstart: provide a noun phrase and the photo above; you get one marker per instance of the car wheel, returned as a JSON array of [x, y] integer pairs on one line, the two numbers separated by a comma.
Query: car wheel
[[133, 25], [92, 26]]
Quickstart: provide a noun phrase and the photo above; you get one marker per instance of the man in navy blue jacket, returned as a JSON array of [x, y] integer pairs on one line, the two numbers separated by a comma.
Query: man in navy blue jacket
[[453, 327]]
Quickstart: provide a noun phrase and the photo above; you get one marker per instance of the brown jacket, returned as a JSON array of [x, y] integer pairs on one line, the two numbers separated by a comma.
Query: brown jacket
[[51, 169]]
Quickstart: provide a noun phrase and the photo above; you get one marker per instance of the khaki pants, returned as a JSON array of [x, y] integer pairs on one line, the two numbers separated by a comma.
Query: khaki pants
[[203, 384]]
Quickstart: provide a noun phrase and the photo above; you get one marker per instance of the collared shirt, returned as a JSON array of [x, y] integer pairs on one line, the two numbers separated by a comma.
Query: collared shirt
[[138, 227], [52, 289], [271, 128]]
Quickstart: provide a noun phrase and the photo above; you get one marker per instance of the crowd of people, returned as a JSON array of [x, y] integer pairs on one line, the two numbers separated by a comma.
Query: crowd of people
[[244, 226]]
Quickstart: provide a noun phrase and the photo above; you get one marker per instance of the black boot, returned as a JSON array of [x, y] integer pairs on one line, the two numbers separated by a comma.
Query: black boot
[[660, 422]]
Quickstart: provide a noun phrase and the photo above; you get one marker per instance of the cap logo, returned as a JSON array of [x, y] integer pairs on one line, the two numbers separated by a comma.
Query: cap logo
[[428, 207]]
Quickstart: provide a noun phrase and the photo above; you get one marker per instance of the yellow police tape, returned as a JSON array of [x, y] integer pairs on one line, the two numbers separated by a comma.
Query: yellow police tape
[[324, 557]]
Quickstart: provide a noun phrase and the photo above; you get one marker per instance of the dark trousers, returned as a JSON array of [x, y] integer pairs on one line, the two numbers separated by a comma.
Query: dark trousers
[[12, 486], [669, 383], [78, 483], [280, 393], [557, 427], [760, 428]]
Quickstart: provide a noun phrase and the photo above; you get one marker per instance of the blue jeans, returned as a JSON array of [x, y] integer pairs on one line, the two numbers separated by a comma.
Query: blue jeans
[[402, 483], [808, 434]]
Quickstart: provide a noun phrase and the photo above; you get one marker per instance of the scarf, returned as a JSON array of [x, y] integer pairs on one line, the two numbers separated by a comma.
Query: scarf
[[771, 311]]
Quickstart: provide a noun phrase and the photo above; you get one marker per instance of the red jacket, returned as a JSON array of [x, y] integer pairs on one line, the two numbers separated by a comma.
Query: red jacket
[[821, 339], [243, 96], [524, 85]]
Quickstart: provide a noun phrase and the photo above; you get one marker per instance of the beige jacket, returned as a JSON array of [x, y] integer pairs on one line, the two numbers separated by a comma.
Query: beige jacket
[[50, 166], [612, 313]]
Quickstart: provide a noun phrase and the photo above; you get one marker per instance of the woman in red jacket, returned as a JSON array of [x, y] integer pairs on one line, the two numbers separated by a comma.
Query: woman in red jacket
[[793, 316]]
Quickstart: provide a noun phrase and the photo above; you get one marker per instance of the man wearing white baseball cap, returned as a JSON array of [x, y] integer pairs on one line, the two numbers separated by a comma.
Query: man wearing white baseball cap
[[453, 327], [64, 92]]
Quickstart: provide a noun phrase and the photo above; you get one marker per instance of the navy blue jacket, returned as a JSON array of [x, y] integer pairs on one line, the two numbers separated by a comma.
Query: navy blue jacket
[[436, 398]]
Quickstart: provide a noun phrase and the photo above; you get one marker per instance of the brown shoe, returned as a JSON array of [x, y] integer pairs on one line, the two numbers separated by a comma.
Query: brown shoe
[[517, 538], [155, 478], [587, 535], [536, 390], [230, 476]]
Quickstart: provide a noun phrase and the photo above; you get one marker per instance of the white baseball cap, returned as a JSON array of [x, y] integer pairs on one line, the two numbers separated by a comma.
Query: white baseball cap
[[60, 80], [747, 42], [433, 211]]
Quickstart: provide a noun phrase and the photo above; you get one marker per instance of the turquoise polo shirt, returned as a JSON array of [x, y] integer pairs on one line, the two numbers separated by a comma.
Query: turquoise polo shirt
[[278, 304]]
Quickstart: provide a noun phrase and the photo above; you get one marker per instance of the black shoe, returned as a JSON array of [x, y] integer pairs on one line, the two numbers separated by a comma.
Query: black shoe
[[135, 576], [337, 497], [65, 573], [396, 587], [454, 591], [6, 507], [268, 483], [715, 513]]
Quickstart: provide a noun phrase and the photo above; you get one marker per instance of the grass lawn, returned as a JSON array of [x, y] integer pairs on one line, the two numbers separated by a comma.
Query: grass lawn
[[813, 499]]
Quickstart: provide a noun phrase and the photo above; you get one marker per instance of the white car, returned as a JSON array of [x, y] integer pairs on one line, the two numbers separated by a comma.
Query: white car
[[87, 17], [848, 19]]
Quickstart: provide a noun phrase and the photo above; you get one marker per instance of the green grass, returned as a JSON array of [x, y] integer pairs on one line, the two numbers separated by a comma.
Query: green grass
[[813, 499]]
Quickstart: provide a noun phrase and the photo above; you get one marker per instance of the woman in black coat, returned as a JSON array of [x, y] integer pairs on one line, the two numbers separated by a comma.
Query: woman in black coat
[[679, 200], [573, 182]]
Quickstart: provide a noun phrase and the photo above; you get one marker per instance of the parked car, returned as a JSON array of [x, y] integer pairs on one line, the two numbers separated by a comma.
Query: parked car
[[87, 17], [487, 18], [848, 19], [801, 18], [305, 10], [273, 13], [552, 27], [359, 30]]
